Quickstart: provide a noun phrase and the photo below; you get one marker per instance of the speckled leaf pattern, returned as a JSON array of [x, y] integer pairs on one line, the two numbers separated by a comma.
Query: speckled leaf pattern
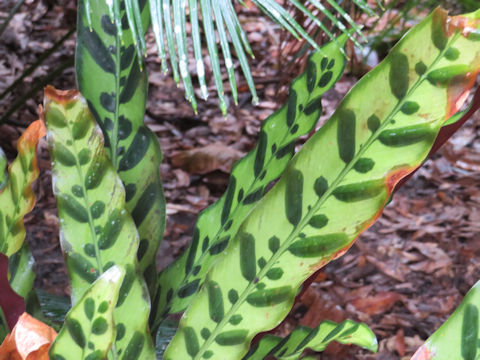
[[334, 188], [317, 339], [17, 198], [89, 329], [96, 230], [250, 178], [111, 76], [458, 337]]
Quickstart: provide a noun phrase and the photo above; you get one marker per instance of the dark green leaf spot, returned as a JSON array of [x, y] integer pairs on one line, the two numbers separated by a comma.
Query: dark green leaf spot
[[76, 332], [318, 221], [274, 244], [89, 308], [97, 209], [359, 191], [191, 341], [294, 196], [346, 134], [410, 107], [232, 296], [248, 265], [188, 289], [231, 337], [215, 301], [407, 135], [99, 326], [325, 79], [269, 297], [319, 246], [63, 155], [275, 273], [134, 347], [399, 70], [364, 165]]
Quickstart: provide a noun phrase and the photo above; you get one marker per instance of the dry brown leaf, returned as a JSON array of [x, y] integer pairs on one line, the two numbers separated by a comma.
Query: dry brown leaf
[[30, 340], [376, 304], [207, 159]]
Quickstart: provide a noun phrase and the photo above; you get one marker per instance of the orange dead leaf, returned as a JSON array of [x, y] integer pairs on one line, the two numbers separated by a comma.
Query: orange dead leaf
[[422, 354], [29, 340]]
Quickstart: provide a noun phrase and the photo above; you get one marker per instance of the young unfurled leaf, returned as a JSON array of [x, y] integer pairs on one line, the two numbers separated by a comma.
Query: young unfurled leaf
[[368, 124], [250, 177], [30, 339], [89, 329], [97, 231], [317, 339], [17, 198], [112, 78], [462, 330]]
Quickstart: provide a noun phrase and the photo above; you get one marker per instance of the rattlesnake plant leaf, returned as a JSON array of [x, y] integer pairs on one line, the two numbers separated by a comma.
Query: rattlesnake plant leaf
[[110, 76], [334, 188], [250, 178], [462, 331], [20, 267], [317, 339], [17, 198], [96, 230], [89, 328]]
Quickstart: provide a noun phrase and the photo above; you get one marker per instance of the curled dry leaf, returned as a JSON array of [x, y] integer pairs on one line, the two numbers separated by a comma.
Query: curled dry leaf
[[29, 340]]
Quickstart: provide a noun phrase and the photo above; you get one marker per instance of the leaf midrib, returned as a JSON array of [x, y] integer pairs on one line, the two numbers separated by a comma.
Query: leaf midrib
[[293, 235]]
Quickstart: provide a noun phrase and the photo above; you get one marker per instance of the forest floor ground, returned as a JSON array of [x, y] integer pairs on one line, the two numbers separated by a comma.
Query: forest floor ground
[[403, 276]]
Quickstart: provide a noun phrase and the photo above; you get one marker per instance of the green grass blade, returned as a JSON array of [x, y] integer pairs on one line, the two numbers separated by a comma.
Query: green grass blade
[[157, 26], [222, 34], [179, 21], [197, 47], [347, 17], [167, 17], [237, 44], [206, 8]]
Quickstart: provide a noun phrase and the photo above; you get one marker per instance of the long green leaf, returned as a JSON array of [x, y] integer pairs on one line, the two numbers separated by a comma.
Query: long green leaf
[[97, 231], [17, 198], [317, 339], [249, 180], [89, 328], [458, 337], [334, 188], [110, 78]]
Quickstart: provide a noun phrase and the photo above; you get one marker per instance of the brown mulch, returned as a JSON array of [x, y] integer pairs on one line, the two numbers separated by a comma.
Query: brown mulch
[[403, 277]]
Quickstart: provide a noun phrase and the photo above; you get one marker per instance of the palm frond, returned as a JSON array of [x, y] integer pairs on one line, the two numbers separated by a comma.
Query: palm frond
[[222, 29]]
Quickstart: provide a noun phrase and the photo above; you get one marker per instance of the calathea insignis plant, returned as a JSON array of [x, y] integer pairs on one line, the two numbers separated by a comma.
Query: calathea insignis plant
[[252, 250]]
